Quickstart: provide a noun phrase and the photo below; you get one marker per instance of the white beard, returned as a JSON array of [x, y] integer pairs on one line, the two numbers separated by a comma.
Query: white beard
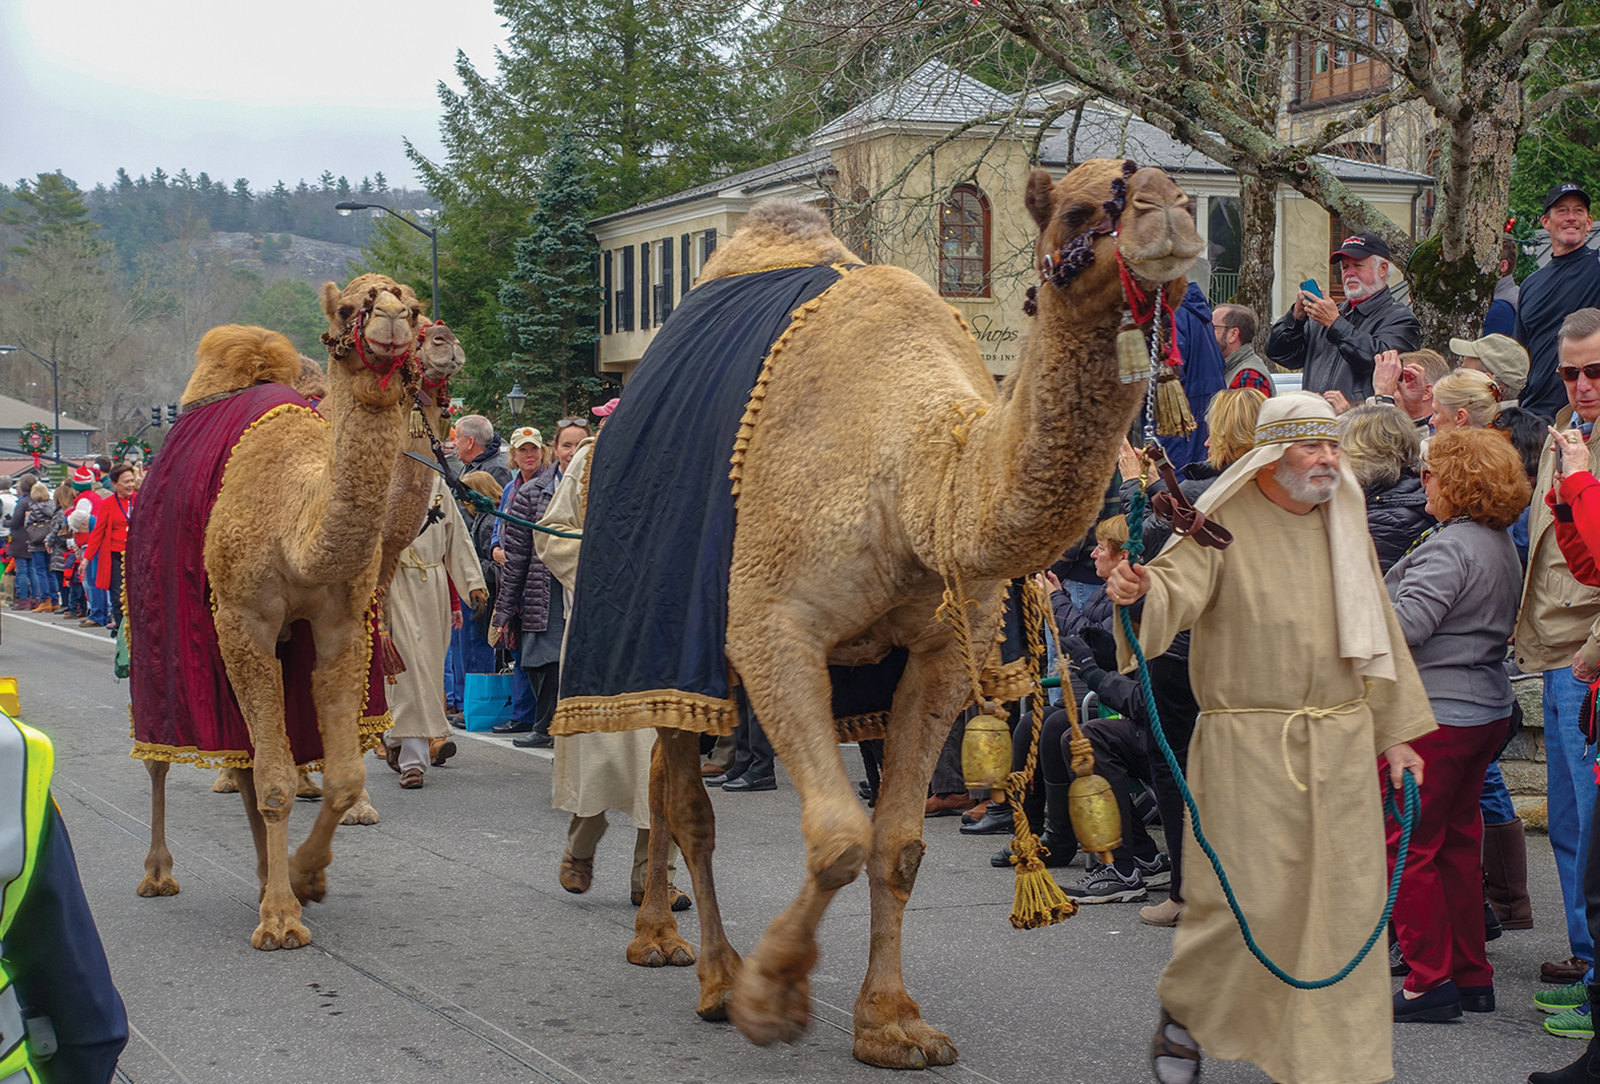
[[1355, 290], [1315, 485]]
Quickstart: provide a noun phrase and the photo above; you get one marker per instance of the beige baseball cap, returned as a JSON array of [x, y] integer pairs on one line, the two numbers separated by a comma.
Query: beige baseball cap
[[526, 435], [1502, 355]]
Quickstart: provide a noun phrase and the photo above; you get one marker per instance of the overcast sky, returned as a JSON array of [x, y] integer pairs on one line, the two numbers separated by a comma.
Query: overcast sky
[[271, 91]]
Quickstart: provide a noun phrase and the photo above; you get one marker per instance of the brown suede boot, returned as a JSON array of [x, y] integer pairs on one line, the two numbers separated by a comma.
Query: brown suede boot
[[1505, 870]]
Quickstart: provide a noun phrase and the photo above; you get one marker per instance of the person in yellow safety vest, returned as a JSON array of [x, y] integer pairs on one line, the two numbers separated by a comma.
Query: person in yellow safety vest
[[61, 1019]]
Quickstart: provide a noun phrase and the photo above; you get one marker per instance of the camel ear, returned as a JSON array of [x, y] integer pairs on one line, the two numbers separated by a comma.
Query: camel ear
[[330, 300], [1037, 197]]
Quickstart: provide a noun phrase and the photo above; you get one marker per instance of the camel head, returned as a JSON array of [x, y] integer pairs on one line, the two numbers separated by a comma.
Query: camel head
[[1107, 207], [372, 329], [440, 352]]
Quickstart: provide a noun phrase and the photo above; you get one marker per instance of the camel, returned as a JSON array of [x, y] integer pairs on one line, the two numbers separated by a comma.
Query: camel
[[294, 535], [925, 467], [439, 356]]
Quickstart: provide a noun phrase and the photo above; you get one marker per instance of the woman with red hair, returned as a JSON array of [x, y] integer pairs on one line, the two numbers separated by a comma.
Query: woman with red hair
[[1455, 594]]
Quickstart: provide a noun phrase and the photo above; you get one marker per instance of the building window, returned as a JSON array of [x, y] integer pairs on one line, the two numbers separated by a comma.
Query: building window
[[708, 245], [1226, 249], [1330, 72], [625, 292], [608, 303], [1358, 151], [964, 244], [1336, 236]]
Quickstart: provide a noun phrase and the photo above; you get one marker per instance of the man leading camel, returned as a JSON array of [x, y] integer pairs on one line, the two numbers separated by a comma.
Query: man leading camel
[[1308, 865]]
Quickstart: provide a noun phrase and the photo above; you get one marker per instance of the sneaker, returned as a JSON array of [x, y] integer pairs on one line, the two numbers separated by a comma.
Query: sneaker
[[1572, 1024], [1157, 873], [1562, 998], [1106, 885]]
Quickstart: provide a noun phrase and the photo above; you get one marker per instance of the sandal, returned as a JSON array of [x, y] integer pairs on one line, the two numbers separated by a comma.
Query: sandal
[[1171, 1061]]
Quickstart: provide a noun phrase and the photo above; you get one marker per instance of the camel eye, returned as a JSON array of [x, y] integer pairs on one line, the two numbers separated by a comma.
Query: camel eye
[[1077, 216], [346, 311]]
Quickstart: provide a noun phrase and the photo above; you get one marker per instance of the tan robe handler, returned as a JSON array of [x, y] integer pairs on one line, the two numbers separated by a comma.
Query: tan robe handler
[[418, 606], [1290, 800]]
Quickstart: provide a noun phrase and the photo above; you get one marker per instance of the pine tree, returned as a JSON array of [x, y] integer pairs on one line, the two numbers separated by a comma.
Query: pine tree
[[550, 302]]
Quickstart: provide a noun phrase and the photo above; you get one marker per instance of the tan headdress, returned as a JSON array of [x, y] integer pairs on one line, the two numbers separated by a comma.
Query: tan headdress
[[1359, 599]]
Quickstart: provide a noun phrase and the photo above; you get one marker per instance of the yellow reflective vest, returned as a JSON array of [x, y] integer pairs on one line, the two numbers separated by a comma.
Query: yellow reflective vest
[[26, 762]]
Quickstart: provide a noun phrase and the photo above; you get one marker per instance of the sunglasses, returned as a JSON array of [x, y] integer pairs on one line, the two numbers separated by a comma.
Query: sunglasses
[[1569, 373], [1426, 473], [562, 423]]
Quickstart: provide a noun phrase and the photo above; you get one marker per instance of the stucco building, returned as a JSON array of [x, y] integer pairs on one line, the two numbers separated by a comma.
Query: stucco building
[[955, 211]]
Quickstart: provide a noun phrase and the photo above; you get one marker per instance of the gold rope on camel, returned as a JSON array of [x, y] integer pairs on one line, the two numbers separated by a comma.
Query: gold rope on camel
[[1039, 901]]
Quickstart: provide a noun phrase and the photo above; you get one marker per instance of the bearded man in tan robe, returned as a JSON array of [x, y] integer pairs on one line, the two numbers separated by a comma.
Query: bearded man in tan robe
[[418, 608], [1303, 679]]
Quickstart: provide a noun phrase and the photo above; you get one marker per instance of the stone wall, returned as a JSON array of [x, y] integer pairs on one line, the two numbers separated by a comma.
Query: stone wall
[[1523, 761]]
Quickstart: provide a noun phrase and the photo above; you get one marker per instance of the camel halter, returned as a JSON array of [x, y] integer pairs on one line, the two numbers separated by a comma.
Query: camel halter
[[339, 346]]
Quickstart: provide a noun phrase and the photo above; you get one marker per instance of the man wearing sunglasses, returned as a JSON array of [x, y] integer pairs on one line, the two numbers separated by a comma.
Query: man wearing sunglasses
[[1569, 282], [1558, 634]]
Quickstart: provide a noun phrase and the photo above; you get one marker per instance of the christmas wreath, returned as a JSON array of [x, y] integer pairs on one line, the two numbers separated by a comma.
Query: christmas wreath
[[121, 450], [36, 440]]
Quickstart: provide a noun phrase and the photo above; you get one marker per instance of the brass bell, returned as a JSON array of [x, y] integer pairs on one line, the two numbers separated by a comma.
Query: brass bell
[[1096, 819], [986, 752]]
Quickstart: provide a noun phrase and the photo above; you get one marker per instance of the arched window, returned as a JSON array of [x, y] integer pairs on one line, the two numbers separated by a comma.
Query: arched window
[[964, 243]]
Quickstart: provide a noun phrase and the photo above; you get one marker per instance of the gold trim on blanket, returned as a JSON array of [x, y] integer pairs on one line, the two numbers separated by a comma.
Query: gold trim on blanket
[[372, 728], [868, 727], [671, 708]]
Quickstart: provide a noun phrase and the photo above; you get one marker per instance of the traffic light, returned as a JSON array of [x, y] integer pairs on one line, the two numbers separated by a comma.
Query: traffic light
[[155, 416], [172, 413]]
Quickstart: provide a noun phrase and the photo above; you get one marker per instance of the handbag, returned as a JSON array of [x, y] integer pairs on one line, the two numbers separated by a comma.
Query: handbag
[[1586, 714], [486, 701]]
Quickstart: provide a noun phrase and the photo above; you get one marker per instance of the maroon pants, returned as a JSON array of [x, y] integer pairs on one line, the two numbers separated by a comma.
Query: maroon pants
[[1438, 915]]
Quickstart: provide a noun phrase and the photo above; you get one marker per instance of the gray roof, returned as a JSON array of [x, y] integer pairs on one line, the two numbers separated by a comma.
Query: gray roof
[[935, 93], [750, 181], [14, 414]]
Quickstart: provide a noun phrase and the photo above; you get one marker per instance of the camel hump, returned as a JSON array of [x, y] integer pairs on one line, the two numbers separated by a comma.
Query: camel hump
[[777, 233], [236, 356]]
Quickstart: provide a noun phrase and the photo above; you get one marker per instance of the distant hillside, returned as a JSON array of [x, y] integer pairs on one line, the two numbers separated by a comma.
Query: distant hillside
[[305, 259]]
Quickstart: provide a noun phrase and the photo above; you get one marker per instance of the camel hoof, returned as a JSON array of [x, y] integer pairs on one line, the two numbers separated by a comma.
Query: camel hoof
[[669, 950], [360, 813], [769, 1008], [285, 934], [226, 782], [307, 789], [908, 1045], [308, 887], [157, 884], [713, 1007]]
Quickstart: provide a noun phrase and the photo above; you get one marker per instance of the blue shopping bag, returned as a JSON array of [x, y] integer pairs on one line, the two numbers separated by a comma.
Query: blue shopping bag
[[487, 702]]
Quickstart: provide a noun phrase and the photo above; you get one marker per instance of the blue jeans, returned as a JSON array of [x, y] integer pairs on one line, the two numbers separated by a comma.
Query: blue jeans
[[455, 676], [43, 580], [24, 588], [524, 698], [99, 600], [1495, 802], [1569, 768]]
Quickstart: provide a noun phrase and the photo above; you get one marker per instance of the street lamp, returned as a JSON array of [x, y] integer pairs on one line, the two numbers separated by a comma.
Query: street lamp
[[55, 389], [433, 237], [516, 398]]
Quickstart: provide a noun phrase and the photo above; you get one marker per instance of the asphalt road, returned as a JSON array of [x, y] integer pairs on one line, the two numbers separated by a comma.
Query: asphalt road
[[447, 951]]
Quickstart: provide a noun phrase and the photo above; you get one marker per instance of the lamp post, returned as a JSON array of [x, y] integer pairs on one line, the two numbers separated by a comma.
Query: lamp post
[[516, 398], [55, 390], [433, 237]]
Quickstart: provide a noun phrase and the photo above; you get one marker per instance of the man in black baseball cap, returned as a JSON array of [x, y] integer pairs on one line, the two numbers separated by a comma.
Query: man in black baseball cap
[[1337, 344], [1569, 282]]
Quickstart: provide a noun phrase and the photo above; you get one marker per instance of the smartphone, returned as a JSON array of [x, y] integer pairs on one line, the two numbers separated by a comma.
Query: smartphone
[[1310, 286]]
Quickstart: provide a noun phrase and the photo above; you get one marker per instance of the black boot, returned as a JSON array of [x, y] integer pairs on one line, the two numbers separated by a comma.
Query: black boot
[[1491, 923], [1058, 837]]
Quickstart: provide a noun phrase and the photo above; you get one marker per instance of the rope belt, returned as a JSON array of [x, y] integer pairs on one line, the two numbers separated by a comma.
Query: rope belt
[[1349, 707]]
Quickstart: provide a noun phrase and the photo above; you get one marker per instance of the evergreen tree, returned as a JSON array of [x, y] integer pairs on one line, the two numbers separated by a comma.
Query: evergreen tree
[[550, 303]]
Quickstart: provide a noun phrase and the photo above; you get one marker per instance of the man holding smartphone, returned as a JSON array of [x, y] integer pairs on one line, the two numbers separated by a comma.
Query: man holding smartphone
[[1336, 343]]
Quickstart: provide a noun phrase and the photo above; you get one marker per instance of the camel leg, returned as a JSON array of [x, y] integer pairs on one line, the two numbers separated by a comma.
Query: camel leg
[[336, 686], [656, 942], [158, 880], [258, 825], [362, 812], [889, 1030], [786, 676], [247, 642], [227, 781]]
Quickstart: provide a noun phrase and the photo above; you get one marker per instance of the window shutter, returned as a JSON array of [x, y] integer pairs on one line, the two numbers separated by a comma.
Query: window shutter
[[710, 243], [688, 277], [625, 292], [609, 301], [664, 306], [644, 285]]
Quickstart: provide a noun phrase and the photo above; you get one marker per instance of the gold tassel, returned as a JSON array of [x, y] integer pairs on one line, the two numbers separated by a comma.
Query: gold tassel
[[1133, 354], [1173, 418], [415, 422], [1039, 900]]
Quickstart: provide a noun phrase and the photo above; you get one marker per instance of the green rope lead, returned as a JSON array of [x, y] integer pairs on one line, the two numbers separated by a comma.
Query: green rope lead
[[1407, 820]]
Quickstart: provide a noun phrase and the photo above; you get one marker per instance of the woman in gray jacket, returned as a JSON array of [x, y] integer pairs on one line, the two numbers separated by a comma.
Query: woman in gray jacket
[[1455, 594]]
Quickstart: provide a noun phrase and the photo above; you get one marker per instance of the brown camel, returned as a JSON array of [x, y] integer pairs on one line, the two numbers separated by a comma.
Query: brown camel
[[933, 469], [439, 356], [294, 535]]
